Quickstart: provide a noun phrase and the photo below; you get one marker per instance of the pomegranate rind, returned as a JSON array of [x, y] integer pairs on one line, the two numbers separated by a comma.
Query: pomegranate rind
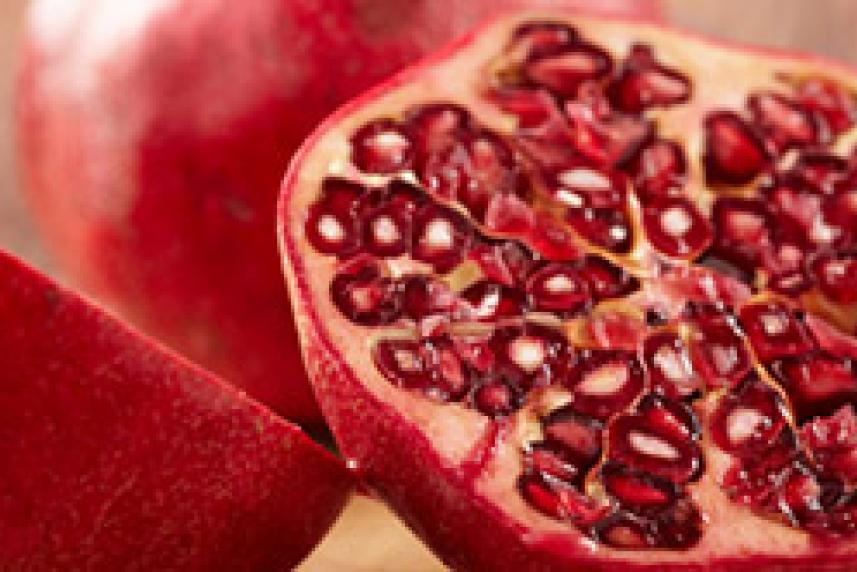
[[116, 454], [455, 485]]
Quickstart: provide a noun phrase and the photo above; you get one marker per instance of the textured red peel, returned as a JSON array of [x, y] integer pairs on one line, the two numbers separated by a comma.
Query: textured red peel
[[115, 454]]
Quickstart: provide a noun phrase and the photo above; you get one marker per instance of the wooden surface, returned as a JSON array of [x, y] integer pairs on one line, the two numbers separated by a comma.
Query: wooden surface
[[367, 537]]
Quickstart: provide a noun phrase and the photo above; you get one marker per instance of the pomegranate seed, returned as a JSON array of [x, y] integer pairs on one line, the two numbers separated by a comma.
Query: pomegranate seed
[[333, 221], [381, 147], [401, 361], [607, 141], [450, 378], [718, 352], [508, 214], [775, 330], [538, 38], [840, 213], [782, 121], [581, 186], [817, 384], [496, 399], [643, 83], [799, 497], [429, 366], [668, 364], [558, 288], [615, 330], [474, 171], [387, 231], [491, 301], [578, 436], [797, 212], [660, 440], [531, 355], [843, 516], [837, 277], [441, 237], [503, 261], [607, 280], [833, 442], [532, 107], [822, 172], [604, 382], [742, 232], [750, 421], [564, 70], [625, 530], [608, 229], [422, 297], [831, 104], [552, 241], [635, 490], [659, 167], [559, 500], [753, 480], [364, 296], [437, 126], [734, 155], [675, 227], [679, 526], [553, 462]]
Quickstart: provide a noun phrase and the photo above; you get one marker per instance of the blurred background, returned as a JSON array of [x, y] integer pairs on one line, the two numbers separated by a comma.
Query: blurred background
[[367, 537]]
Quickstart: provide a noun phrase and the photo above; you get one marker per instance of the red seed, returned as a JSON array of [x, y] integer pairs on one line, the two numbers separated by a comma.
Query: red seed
[[441, 237], [382, 147], [643, 83], [675, 227], [604, 382], [558, 288], [817, 383], [734, 155], [782, 121], [660, 440], [658, 169], [563, 71], [669, 366], [775, 330], [836, 276], [332, 226], [749, 422]]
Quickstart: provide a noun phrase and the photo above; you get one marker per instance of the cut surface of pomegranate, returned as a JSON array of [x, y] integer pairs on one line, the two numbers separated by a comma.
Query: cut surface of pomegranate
[[116, 454], [153, 137], [671, 383]]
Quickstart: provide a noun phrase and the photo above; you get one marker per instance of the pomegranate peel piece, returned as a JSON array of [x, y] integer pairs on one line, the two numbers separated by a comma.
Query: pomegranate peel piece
[[117, 454]]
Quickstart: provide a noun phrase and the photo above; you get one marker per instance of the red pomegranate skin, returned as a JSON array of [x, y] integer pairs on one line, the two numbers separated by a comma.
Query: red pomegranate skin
[[153, 139], [116, 454], [393, 454]]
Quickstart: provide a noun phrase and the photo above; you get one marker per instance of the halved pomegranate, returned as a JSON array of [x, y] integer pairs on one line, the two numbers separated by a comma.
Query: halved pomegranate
[[153, 137], [671, 384], [118, 455]]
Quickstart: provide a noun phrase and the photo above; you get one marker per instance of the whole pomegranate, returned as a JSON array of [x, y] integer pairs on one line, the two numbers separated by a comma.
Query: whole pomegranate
[[154, 135], [580, 294]]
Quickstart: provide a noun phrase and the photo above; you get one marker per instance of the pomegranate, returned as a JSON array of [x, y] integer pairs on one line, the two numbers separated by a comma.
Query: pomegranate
[[153, 136], [117, 455], [634, 339]]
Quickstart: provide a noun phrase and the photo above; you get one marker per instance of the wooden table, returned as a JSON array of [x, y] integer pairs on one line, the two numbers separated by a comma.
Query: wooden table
[[367, 537]]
